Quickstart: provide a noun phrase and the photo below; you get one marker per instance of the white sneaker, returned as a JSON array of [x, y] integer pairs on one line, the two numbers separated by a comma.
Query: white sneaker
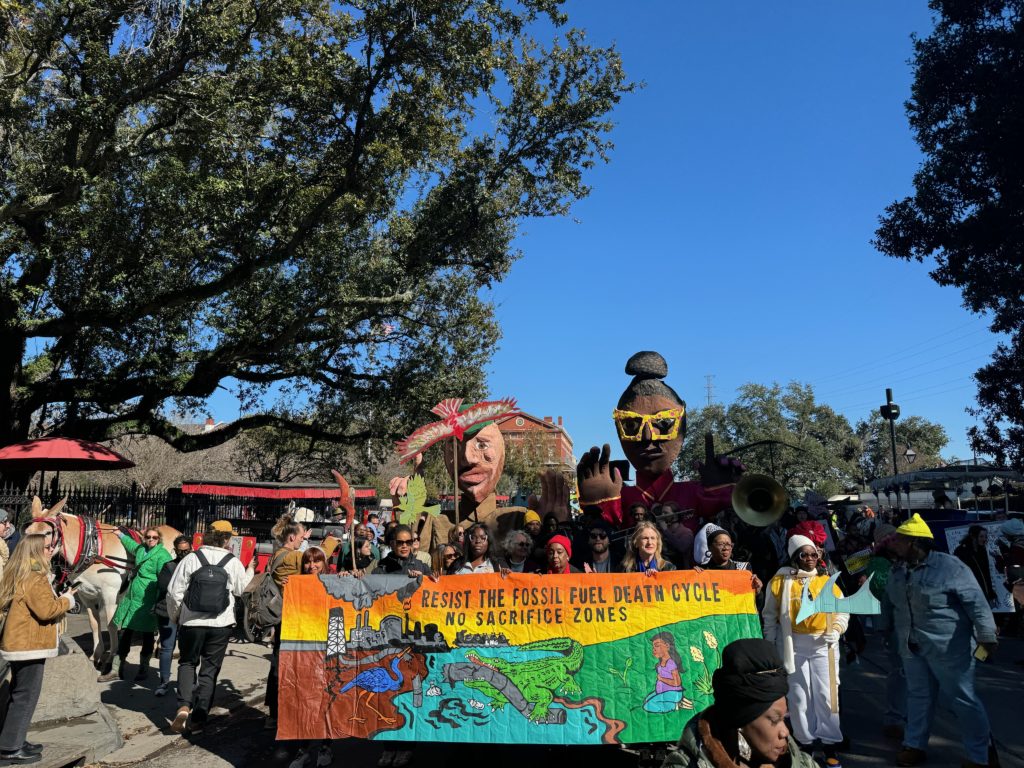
[[300, 759], [324, 757]]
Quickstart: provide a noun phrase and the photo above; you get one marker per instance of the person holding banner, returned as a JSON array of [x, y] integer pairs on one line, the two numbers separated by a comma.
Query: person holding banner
[[809, 649], [644, 552], [746, 726]]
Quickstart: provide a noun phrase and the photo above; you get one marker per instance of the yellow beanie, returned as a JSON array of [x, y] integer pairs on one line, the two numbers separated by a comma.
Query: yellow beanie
[[916, 527], [531, 517]]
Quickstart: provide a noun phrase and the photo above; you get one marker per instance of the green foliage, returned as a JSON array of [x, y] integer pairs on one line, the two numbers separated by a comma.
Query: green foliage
[[925, 437], [967, 113], [827, 445], [526, 459], [297, 199]]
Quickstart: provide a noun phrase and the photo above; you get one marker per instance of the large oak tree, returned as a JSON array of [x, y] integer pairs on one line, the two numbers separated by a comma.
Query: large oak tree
[[298, 198], [966, 215]]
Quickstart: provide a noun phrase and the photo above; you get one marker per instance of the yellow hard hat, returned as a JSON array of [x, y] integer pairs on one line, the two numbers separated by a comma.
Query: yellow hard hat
[[916, 527]]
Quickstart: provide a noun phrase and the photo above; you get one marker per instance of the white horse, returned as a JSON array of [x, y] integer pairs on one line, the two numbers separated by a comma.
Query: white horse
[[91, 557]]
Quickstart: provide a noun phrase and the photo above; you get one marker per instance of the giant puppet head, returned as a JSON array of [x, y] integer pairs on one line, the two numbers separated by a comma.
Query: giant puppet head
[[650, 417], [481, 460]]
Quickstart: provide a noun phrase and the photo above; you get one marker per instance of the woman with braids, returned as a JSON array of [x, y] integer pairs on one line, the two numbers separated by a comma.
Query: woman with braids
[[651, 422], [746, 726], [30, 635], [644, 552]]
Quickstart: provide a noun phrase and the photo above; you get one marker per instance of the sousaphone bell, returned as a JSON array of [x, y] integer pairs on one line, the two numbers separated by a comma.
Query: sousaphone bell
[[759, 500]]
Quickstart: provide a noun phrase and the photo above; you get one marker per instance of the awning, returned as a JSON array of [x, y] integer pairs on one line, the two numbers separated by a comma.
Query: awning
[[270, 490], [950, 475]]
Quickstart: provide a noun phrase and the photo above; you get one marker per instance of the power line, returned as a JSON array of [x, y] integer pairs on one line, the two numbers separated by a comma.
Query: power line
[[973, 360]]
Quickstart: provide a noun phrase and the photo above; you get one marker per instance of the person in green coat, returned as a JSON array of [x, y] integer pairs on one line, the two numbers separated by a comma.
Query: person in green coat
[[134, 613]]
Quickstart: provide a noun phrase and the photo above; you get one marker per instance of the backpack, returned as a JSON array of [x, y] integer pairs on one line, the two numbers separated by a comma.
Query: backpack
[[264, 601], [207, 590]]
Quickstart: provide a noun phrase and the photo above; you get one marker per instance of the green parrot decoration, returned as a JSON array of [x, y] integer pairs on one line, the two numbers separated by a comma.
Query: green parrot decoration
[[413, 504]]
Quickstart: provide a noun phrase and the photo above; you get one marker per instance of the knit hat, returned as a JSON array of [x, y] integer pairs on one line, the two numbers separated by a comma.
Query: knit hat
[[531, 517], [560, 539], [916, 527], [1012, 528], [749, 681], [798, 542], [812, 529]]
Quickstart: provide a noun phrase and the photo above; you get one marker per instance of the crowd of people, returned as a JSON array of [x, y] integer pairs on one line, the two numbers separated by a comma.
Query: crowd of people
[[777, 700]]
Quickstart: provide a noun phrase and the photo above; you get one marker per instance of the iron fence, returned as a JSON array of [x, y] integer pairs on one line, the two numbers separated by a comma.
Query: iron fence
[[138, 509]]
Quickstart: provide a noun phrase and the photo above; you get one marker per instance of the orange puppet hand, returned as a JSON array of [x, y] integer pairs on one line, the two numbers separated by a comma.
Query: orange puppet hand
[[347, 501]]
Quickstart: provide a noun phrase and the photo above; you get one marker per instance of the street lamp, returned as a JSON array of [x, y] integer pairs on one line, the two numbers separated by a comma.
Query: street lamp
[[890, 412], [910, 455]]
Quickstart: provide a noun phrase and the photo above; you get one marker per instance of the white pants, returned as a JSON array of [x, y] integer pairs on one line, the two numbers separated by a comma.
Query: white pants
[[810, 699]]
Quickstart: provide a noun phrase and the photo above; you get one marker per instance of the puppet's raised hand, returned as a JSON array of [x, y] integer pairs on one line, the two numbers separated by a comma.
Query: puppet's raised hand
[[554, 497], [717, 470], [597, 479], [398, 486]]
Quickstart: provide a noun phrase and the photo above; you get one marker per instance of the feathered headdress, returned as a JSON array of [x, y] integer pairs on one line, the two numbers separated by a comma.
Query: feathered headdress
[[454, 423]]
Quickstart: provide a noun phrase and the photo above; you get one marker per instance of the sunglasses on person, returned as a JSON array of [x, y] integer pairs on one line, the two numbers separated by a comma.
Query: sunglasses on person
[[403, 542], [807, 555], [151, 538], [451, 556], [598, 535], [664, 425]]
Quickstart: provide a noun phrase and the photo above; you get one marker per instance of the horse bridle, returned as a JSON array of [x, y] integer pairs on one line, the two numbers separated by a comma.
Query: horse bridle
[[90, 548]]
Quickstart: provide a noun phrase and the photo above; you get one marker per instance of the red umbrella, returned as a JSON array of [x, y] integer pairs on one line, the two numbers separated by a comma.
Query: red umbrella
[[61, 453]]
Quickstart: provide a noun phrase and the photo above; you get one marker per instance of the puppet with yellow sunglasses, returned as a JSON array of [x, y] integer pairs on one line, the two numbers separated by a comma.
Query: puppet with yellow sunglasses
[[651, 423]]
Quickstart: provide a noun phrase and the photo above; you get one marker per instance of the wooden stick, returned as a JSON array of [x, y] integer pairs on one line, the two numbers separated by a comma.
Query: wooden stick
[[455, 466]]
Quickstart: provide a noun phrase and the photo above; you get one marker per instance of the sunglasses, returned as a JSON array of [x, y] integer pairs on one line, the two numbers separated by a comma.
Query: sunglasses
[[598, 535], [664, 425], [403, 542], [808, 555], [450, 556], [151, 538]]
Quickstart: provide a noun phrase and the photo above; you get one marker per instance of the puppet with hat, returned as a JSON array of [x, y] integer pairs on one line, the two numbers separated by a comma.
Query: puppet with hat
[[474, 454], [651, 422]]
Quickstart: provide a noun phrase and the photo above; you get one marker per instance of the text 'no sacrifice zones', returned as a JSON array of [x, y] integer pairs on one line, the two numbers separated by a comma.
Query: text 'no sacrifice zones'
[[555, 604]]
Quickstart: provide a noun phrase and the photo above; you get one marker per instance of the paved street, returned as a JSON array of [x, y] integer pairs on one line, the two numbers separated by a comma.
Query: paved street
[[236, 736]]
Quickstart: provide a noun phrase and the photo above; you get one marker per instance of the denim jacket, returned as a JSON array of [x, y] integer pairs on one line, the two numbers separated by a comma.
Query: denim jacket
[[938, 606]]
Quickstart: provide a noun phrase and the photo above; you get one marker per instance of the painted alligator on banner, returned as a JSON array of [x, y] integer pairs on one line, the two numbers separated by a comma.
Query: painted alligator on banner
[[529, 686]]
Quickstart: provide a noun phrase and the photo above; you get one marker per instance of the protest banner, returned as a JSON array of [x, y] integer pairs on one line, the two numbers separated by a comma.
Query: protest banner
[[957, 533], [568, 659]]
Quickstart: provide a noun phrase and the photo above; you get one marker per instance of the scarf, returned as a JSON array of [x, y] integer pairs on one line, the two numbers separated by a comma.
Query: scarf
[[790, 576]]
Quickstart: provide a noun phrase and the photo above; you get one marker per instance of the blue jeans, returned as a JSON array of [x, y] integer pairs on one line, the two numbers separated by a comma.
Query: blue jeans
[[168, 635], [895, 683], [950, 677]]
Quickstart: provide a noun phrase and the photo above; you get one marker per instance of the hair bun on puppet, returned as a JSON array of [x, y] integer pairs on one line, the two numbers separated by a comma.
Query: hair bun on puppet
[[647, 365]]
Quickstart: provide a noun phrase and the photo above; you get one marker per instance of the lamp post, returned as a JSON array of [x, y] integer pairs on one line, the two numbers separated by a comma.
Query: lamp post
[[910, 455], [890, 412]]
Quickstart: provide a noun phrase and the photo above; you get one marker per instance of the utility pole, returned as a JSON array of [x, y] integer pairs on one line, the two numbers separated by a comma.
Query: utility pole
[[708, 378], [890, 412]]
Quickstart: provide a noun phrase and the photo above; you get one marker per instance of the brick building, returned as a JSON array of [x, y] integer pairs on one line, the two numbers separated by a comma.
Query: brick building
[[553, 441]]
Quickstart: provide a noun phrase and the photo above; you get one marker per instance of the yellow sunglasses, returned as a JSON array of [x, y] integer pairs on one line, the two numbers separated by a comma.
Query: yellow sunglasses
[[664, 425]]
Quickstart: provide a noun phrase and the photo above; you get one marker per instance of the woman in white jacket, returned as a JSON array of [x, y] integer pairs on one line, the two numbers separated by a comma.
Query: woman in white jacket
[[809, 649]]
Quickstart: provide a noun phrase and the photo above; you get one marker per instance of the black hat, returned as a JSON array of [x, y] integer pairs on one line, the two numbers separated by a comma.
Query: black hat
[[749, 681]]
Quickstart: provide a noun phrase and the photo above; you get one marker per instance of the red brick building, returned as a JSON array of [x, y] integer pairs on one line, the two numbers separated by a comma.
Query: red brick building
[[553, 441]]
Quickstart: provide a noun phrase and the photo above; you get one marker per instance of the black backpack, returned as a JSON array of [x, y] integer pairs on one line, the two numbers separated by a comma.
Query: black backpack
[[207, 590]]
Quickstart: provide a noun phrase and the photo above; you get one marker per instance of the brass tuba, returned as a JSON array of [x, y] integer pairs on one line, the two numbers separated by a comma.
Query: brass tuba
[[759, 500]]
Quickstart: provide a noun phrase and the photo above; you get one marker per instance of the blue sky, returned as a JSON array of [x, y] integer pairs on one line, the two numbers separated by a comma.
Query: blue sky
[[731, 230]]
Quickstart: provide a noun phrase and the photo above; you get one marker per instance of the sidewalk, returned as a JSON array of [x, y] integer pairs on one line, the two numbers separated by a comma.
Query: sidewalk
[[140, 718]]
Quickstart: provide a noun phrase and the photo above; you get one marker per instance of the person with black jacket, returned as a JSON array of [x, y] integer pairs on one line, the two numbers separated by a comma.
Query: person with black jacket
[[973, 551], [168, 629], [401, 559]]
